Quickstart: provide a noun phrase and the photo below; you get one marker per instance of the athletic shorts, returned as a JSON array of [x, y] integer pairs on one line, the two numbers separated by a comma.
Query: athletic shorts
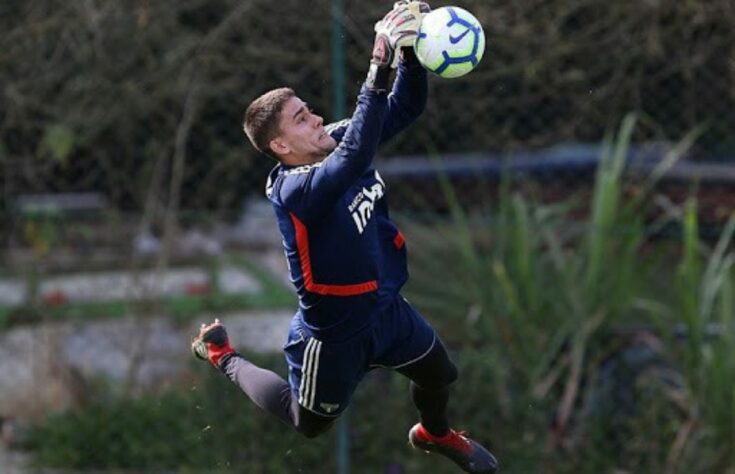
[[323, 375]]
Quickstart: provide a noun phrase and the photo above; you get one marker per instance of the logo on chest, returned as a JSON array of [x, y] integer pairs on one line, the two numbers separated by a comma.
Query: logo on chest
[[363, 204]]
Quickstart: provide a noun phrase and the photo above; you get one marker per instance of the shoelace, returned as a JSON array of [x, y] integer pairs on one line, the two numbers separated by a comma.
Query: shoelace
[[460, 440], [465, 436]]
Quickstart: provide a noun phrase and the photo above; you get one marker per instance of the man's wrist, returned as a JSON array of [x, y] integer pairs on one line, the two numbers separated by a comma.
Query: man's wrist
[[378, 77], [408, 56]]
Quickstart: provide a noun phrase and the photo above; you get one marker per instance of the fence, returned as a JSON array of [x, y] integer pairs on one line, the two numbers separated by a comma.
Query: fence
[[142, 101]]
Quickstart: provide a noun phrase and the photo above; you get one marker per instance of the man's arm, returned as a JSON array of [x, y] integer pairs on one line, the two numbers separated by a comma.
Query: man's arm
[[410, 89], [312, 190], [408, 99]]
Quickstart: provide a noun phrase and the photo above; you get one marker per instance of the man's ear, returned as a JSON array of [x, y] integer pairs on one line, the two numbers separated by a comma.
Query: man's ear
[[278, 146]]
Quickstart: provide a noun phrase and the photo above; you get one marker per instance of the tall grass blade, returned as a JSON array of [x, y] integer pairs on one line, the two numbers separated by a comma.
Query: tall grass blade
[[522, 254], [689, 277], [716, 272], [605, 205], [669, 160]]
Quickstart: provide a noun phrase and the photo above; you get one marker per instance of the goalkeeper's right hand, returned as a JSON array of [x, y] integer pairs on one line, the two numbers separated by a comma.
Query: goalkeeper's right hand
[[419, 9], [397, 29]]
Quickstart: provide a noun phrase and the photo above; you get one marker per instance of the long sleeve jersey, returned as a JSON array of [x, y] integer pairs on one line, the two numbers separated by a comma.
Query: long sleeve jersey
[[346, 258]]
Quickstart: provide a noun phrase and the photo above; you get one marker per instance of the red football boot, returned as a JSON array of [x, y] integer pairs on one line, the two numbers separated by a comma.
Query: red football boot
[[470, 455], [212, 343]]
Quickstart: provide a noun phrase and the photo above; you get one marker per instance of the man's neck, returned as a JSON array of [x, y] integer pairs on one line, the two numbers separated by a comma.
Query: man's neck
[[302, 161]]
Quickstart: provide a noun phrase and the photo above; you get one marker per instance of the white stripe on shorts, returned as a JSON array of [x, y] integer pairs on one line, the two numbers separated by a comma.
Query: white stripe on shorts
[[305, 371], [314, 378], [309, 370]]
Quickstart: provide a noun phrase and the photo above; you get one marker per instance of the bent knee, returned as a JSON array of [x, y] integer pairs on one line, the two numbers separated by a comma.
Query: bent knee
[[452, 373], [447, 376]]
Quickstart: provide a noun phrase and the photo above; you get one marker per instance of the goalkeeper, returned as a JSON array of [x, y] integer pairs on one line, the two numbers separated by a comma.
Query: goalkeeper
[[346, 257]]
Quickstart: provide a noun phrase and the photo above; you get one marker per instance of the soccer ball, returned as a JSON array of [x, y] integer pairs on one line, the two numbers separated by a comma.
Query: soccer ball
[[450, 42]]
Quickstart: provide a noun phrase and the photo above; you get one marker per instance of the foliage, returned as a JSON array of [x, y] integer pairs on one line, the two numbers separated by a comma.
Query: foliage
[[208, 427], [583, 346], [143, 100], [582, 316]]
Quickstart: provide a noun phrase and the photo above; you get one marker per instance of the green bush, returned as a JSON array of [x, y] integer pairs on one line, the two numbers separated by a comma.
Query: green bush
[[210, 426]]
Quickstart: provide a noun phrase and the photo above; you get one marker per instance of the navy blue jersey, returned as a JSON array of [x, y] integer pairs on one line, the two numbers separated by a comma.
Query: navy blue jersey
[[346, 257]]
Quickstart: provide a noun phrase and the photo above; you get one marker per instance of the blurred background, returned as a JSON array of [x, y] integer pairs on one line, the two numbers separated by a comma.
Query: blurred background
[[568, 208]]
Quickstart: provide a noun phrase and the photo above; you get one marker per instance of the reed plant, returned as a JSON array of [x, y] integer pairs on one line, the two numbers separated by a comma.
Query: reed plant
[[555, 300]]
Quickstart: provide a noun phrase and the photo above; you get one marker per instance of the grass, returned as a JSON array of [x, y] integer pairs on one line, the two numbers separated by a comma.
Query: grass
[[567, 307]]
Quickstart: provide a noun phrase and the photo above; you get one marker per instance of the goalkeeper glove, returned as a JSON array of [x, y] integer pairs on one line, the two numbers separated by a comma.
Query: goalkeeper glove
[[397, 29], [406, 46]]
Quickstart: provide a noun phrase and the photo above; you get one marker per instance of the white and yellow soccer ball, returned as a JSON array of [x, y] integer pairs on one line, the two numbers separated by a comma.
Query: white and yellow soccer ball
[[450, 42]]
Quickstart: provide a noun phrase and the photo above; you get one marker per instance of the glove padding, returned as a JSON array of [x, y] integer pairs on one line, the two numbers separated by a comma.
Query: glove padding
[[397, 29], [422, 7]]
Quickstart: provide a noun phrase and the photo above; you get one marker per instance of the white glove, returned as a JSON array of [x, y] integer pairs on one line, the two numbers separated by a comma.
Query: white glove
[[399, 27], [423, 7]]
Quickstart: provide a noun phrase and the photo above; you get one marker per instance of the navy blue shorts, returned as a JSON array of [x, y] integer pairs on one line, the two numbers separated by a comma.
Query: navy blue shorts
[[323, 375]]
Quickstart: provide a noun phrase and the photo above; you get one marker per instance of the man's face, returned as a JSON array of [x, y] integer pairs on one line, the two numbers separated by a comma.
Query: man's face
[[302, 138]]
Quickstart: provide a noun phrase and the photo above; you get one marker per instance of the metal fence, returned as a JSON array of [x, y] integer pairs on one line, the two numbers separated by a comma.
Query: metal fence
[[140, 103]]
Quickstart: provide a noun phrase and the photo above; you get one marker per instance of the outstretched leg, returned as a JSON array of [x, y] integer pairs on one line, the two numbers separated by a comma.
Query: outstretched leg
[[265, 388], [430, 379]]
